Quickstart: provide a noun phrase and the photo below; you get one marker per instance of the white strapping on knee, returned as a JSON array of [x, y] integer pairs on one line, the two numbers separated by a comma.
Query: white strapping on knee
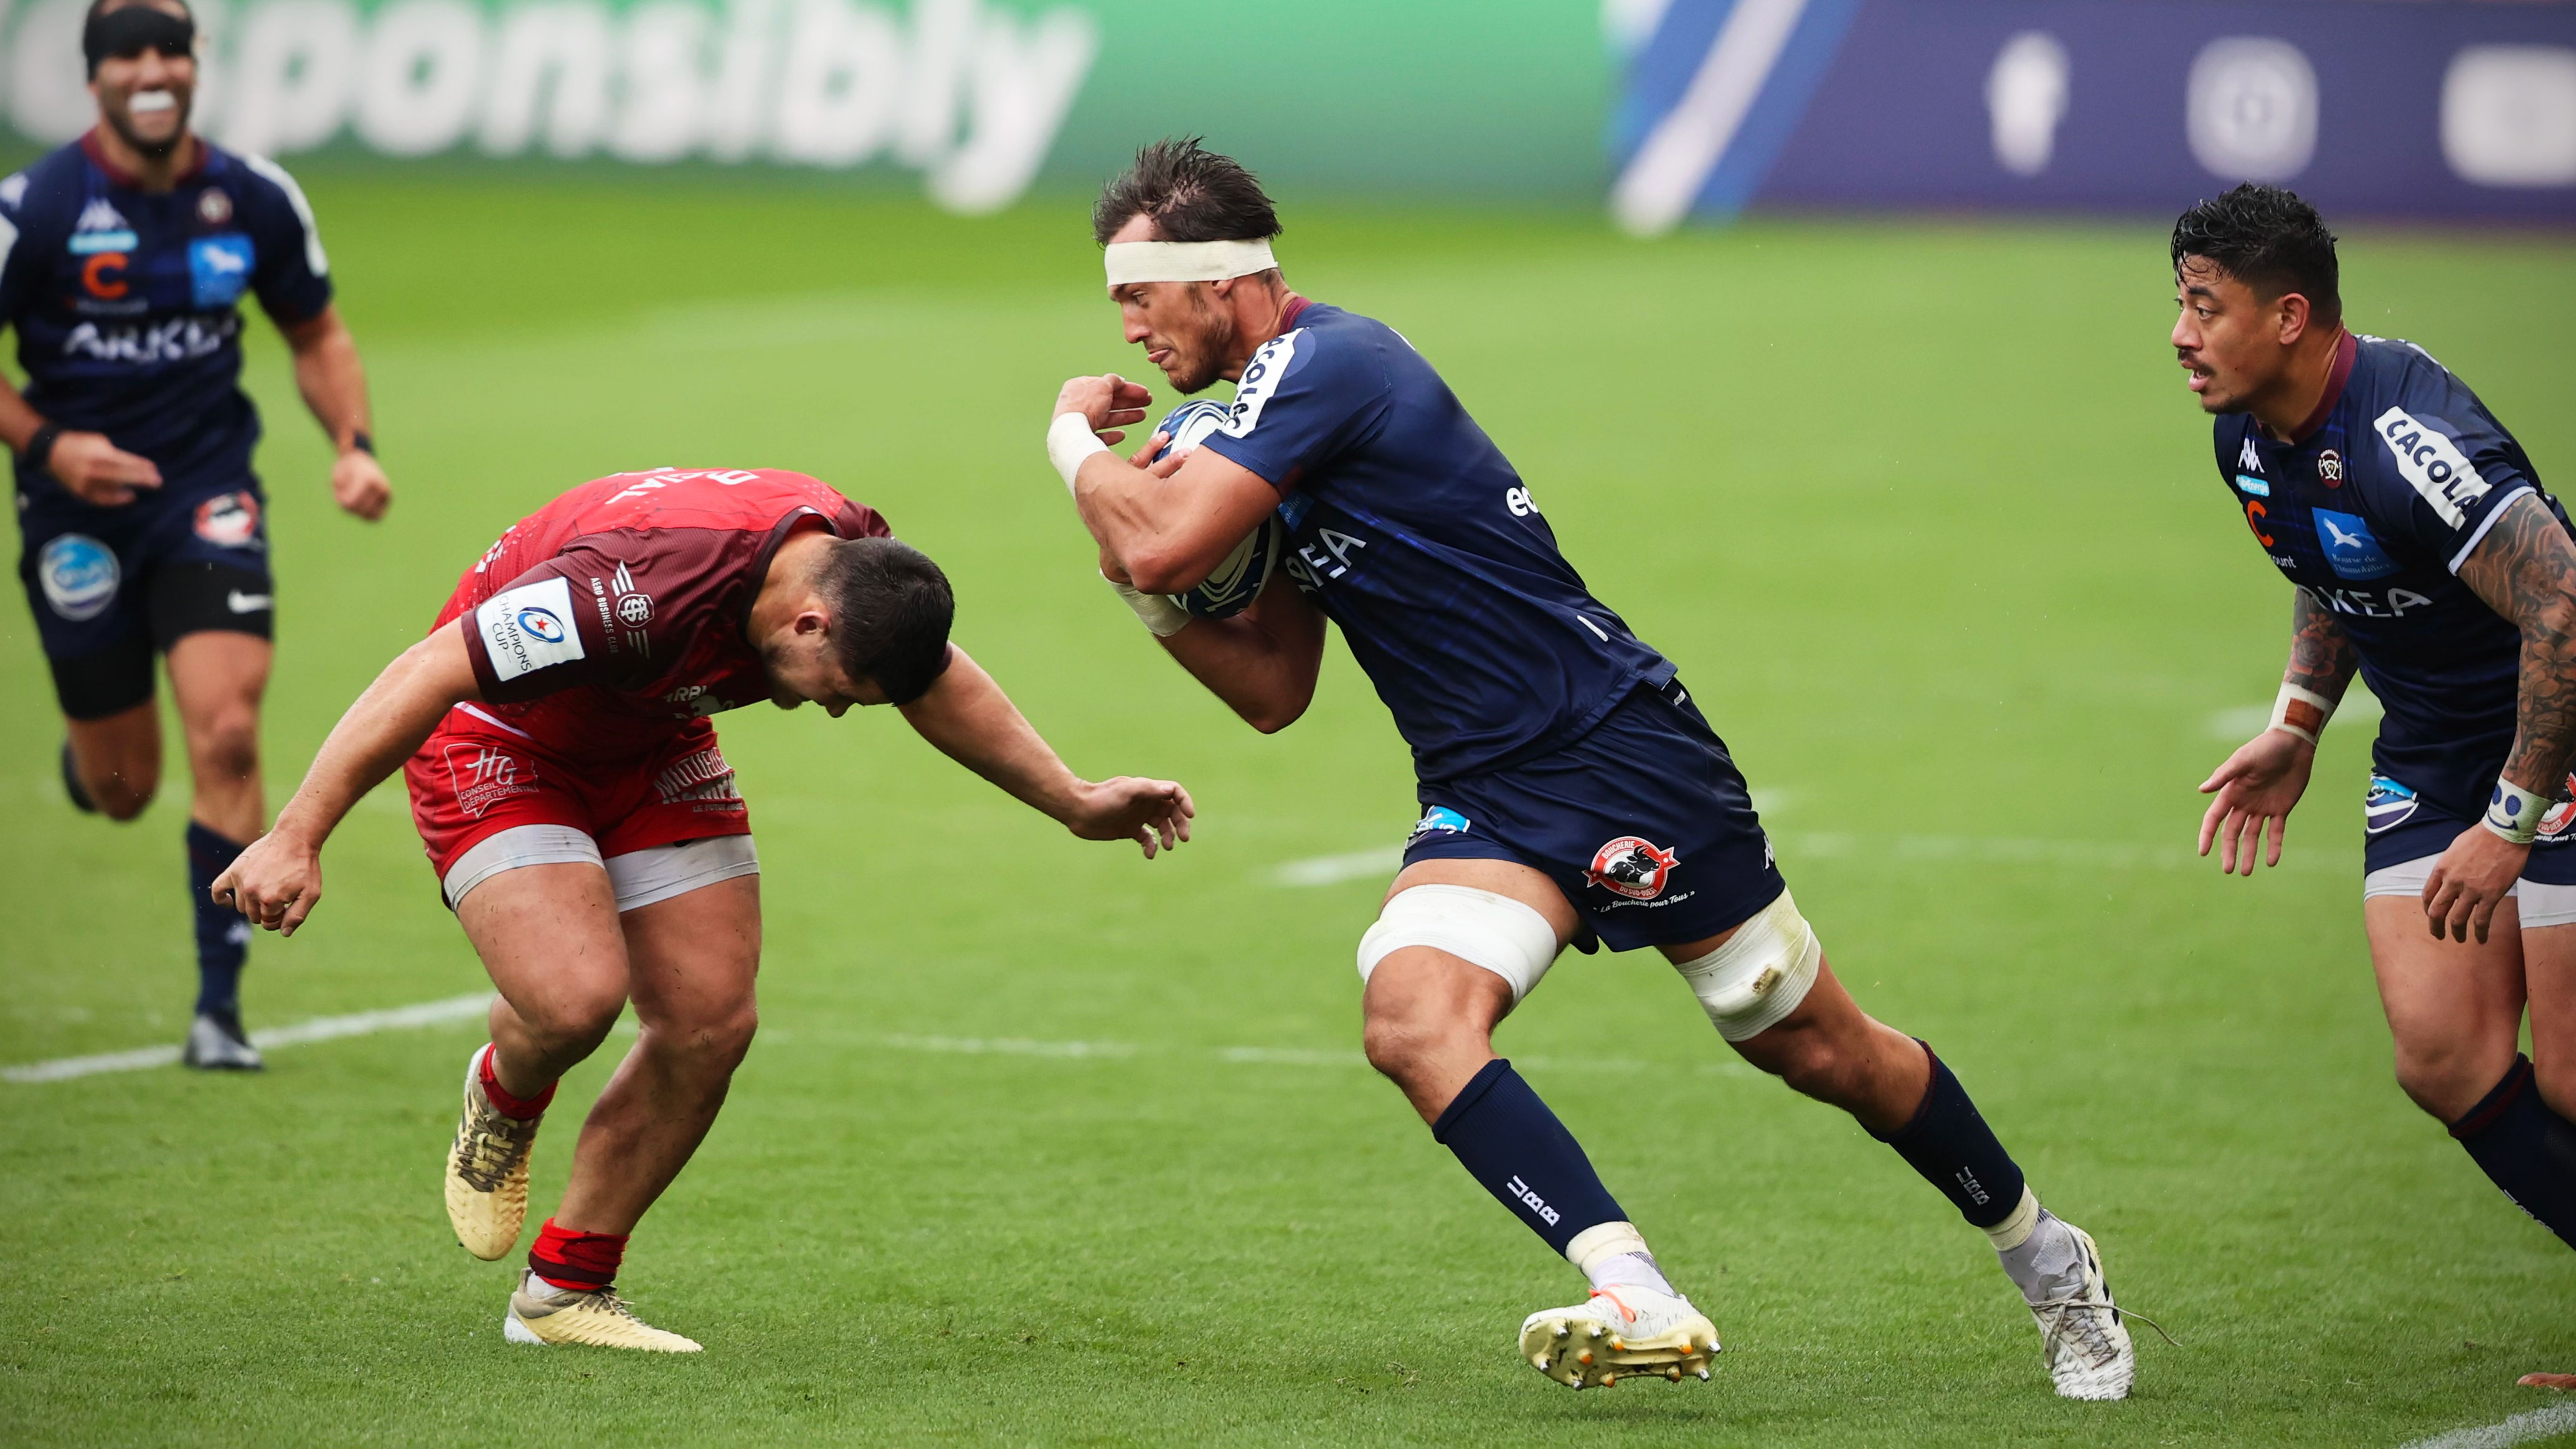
[[1507, 937], [1760, 975]]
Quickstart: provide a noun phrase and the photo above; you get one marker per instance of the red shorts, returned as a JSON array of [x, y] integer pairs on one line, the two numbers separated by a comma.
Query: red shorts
[[476, 777]]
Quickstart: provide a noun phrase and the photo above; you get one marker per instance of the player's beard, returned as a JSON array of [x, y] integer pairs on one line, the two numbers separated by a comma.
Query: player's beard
[[1205, 357], [120, 119]]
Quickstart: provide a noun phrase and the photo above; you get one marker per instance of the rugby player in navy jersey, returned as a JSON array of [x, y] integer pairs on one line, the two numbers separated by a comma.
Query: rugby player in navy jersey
[[123, 258], [1571, 791], [2424, 554]]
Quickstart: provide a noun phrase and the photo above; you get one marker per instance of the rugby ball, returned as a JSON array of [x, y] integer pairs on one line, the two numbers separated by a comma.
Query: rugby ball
[[1237, 581]]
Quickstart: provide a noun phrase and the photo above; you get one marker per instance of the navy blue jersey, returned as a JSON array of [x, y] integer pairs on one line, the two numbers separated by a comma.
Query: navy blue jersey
[[1410, 529], [2371, 510], [126, 301]]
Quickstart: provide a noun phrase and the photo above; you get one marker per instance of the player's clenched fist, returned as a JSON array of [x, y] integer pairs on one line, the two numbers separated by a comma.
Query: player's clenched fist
[[359, 485], [275, 883]]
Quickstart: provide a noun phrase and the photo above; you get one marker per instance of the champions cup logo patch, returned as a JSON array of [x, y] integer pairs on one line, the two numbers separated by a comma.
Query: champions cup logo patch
[[703, 777], [1633, 867], [542, 625], [2387, 806], [526, 629], [231, 521], [481, 775]]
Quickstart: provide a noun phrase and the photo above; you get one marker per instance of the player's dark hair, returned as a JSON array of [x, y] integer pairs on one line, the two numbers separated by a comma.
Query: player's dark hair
[[1192, 193], [2269, 239], [891, 609], [129, 27]]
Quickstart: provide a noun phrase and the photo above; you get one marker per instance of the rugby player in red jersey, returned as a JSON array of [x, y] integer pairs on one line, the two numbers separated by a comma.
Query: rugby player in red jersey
[[566, 782]]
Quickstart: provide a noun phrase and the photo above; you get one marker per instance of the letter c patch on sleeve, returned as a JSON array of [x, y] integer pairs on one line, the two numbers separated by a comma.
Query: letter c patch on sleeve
[[529, 628]]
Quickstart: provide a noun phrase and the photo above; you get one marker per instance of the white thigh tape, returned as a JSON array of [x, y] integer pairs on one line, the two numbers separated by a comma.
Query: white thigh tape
[[659, 872], [1505, 936], [512, 848], [1760, 975]]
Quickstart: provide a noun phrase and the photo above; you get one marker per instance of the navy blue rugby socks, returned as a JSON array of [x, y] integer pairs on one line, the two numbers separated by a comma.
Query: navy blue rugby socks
[[2529, 1150], [1509, 1141], [223, 936], [1950, 1144]]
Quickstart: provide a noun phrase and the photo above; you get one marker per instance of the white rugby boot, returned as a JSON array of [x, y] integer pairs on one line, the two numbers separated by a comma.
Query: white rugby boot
[[541, 1313], [1619, 1332], [217, 1043], [2081, 1333]]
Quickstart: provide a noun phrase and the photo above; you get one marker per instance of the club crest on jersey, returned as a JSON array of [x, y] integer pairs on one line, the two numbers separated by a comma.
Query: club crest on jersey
[[2387, 806], [2350, 549], [231, 521], [2330, 467], [214, 206], [79, 575], [1633, 867]]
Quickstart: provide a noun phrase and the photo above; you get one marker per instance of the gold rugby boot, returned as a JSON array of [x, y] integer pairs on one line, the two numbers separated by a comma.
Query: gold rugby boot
[[487, 1171], [541, 1313]]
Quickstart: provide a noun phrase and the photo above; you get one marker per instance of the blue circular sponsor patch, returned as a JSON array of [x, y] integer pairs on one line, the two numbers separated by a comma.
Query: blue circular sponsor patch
[[79, 575], [542, 624]]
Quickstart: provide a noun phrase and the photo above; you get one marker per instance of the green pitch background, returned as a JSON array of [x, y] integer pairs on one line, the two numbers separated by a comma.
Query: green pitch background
[[1925, 514]]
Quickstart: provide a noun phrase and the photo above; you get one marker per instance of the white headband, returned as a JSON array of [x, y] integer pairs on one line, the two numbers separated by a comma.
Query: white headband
[[1212, 261]]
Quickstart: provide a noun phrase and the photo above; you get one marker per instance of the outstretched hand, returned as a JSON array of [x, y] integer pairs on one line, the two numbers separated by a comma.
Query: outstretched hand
[[1153, 813], [2255, 790], [275, 882], [1108, 402]]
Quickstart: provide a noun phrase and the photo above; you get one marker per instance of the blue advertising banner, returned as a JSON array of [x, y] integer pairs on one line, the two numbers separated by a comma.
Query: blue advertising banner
[[2426, 111]]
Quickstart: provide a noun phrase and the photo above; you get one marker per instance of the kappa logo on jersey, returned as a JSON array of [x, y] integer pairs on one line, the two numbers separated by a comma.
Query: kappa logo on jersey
[[2431, 462], [1634, 867], [2387, 806], [703, 777], [218, 269], [527, 628], [2248, 458], [481, 775], [2330, 468], [1439, 820], [102, 228], [231, 521], [79, 575], [2350, 549], [1261, 377]]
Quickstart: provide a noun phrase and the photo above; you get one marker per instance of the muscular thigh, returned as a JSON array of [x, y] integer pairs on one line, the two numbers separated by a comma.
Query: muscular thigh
[[2449, 1002], [550, 937], [692, 958]]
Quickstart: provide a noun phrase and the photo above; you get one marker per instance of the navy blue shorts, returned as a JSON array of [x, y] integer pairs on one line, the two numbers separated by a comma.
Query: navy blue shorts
[[1644, 823], [2399, 826], [110, 585]]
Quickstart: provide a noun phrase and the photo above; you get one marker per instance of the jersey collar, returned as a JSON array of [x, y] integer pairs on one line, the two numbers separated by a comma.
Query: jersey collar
[[794, 523], [119, 176], [1288, 313], [2345, 351]]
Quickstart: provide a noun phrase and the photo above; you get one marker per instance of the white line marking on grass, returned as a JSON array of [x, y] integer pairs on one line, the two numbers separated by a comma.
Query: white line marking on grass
[[1323, 870], [1009, 1046], [2520, 1429], [321, 1028]]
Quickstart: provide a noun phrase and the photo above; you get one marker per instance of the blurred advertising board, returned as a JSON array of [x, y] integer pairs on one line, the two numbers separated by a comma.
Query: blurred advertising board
[[2429, 111], [980, 98]]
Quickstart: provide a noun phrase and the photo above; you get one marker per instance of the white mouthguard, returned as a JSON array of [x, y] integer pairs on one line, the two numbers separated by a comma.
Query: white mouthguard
[[145, 103]]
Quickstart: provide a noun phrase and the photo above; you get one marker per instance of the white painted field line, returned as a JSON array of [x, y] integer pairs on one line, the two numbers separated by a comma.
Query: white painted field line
[[321, 1028], [2520, 1429]]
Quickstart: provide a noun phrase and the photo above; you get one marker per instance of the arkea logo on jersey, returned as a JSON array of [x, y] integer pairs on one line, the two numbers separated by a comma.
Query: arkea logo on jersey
[[2387, 806], [1633, 867], [2350, 549], [1261, 377], [178, 340], [527, 628], [2429, 460]]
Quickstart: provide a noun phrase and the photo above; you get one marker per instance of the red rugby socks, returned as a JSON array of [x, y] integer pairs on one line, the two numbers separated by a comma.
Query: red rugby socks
[[576, 1262], [499, 1096]]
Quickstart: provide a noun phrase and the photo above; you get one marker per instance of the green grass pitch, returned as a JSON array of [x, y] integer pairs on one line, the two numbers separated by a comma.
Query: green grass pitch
[[1927, 518]]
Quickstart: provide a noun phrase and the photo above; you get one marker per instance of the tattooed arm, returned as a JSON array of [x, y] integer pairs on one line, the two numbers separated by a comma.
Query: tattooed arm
[[2525, 569], [2259, 784]]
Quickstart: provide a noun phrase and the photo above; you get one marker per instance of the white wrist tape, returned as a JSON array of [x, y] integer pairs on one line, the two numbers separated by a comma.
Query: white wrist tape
[[1160, 614], [1069, 441], [2301, 712], [2514, 812]]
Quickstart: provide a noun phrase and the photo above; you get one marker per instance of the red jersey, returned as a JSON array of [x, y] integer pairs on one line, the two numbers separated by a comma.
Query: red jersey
[[607, 620]]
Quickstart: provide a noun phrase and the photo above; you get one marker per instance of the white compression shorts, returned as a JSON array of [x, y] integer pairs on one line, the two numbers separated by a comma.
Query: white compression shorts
[[2537, 905], [640, 877]]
